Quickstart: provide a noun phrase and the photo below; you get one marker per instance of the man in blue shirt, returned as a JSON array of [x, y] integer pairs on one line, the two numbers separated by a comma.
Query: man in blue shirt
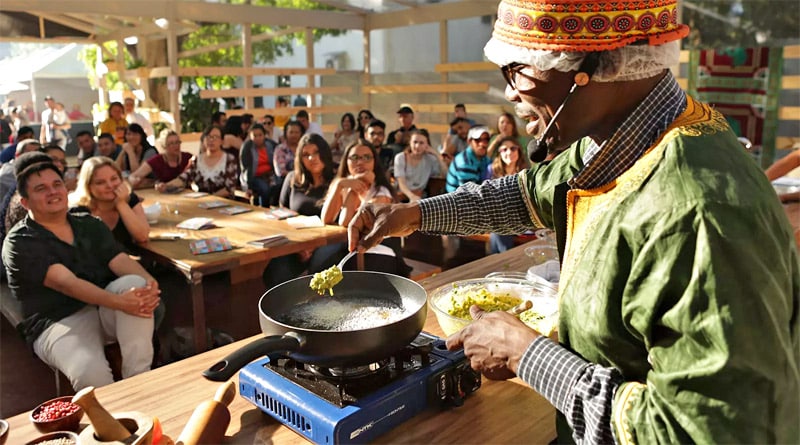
[[469, 165]]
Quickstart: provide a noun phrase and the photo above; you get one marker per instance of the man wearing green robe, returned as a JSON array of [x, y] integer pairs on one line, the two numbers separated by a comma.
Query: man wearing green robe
[[680, 286]]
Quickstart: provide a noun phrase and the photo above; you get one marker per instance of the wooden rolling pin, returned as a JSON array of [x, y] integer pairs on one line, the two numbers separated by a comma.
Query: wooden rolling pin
[[107, 428], [210, 419]]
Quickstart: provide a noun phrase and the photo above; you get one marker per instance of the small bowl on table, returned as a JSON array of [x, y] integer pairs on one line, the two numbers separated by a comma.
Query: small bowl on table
[[451, 302], [66, 418], [60, 437]]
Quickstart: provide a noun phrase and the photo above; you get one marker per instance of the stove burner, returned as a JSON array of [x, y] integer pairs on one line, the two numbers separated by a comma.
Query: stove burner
[[348, 372]]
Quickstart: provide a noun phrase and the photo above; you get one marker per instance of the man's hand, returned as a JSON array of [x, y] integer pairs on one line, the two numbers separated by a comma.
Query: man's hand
[[493, 343], [376, 221], [140, 301]]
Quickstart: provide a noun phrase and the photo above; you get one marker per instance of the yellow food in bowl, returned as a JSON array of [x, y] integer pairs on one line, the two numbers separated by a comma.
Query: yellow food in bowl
[[451, 303]]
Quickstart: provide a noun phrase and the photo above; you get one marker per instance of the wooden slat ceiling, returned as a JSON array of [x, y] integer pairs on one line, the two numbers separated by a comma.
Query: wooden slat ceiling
[[97, 21]]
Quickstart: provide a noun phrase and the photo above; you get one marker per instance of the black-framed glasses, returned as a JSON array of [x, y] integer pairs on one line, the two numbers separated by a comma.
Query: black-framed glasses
[[506, 148], [355, 158], [510, 73]]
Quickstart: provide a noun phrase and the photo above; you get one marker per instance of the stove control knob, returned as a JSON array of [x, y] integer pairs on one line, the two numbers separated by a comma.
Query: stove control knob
[[469, 380]]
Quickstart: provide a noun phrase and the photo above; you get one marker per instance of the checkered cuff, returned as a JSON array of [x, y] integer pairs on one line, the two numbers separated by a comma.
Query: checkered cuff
[[552, 371]]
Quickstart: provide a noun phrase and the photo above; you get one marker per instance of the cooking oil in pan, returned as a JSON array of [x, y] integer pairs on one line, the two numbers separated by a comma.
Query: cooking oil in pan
[[343, 314]]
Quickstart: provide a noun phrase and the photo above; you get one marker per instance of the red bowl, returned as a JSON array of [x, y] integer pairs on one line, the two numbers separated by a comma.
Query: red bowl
[[69, 422]]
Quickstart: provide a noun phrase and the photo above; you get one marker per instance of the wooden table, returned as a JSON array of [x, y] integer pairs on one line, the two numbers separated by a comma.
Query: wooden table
[[244, 262], [499, 412]]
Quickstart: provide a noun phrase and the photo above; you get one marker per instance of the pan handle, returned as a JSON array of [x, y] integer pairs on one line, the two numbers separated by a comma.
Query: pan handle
[[227, 367]]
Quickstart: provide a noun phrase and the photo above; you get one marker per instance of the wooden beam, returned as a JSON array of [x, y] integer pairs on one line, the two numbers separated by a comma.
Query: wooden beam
[[789, 113], [431, 13], [427, 88], [251, 92], [464, 66], [256, 38], [493, 109], [288, 111], [343, 6], [68, 22], [196, 11], [791, 52], [790, 82], [255, 71], [51, 40]]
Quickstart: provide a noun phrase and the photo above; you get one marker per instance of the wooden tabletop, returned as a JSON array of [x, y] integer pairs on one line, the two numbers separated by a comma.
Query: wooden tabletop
[[499, 412], [239, 229]]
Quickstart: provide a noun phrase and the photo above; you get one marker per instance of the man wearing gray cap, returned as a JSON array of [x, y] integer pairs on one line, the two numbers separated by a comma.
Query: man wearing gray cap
[[679, 296], [470, 164]]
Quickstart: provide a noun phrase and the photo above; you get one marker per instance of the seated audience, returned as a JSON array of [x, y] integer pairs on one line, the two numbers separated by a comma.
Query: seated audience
[[344, 136], [285, 151], [7, 179], [308, 126], [416, 165], [134, 117], [272, 131], [304, 192], [212, 171], [375, 135], [508, 160], [507, 127], [364, 118], [470, 164], [103, 193], [258, 177], [456, 142], [163, 168], [115, 124], [783, 167], [75, 286], [8, 153], [360, 180], [86, 146], [107, 147], [233, 136], [136, 150]]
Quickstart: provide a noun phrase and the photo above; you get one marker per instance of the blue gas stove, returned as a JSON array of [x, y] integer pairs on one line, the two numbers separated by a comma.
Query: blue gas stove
[[356, 405]]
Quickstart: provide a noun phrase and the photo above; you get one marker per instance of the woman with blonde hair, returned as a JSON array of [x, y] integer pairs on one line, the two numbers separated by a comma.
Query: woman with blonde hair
[[162, 168], [508, 160], [212, 171], [103, 193]]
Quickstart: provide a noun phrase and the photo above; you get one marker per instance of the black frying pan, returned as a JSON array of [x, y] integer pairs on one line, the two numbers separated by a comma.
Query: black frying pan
[[371, 316]]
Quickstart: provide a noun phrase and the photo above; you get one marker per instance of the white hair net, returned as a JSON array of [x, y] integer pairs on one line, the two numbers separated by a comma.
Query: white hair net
[[631, 62]]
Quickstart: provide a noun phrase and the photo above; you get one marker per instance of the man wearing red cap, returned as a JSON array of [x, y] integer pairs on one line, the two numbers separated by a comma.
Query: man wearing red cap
[[679, 295]]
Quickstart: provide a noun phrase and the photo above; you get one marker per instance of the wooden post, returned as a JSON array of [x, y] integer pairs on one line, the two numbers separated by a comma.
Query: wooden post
[[310, 64], [444, 56], [173, 79], [120, 59], [247, 61], [367, 78]]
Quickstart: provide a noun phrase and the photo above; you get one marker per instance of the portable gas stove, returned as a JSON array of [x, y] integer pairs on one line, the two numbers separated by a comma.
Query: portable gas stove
[[349, 405]]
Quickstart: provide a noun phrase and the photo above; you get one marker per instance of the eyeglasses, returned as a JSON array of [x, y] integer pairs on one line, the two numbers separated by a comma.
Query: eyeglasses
[[356, 158], [484, 140], [512, 72], [504, 148], [174, 143], [213, 137], [268, 123]]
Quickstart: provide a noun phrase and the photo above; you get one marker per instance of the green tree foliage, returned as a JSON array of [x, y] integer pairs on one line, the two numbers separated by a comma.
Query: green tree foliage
[[263, 52], [195, 112], [742, 23], [89, 57]]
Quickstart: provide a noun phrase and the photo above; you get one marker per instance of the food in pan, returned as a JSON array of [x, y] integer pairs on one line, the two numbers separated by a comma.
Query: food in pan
[[324, 281]]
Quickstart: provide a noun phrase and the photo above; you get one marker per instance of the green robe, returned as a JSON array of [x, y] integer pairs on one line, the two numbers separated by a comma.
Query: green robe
[[682, 273]]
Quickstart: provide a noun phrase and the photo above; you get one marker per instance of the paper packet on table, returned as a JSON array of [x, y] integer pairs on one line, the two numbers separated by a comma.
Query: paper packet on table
[[305, 222], [210, 245], [269, 241], [196, 224], [279, 213]]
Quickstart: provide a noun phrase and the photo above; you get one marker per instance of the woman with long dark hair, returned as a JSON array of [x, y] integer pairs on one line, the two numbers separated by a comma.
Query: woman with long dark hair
[[135, 151]]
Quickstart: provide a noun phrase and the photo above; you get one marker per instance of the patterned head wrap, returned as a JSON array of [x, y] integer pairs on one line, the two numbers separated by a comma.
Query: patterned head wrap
[[556, 34]]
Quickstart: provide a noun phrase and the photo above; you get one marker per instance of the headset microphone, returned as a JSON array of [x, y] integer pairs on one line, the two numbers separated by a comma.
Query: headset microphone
[[538, 148]]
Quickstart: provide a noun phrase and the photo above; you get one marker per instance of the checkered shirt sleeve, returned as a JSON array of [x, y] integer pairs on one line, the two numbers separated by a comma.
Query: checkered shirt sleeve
[[582, 391], [493, 206]]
